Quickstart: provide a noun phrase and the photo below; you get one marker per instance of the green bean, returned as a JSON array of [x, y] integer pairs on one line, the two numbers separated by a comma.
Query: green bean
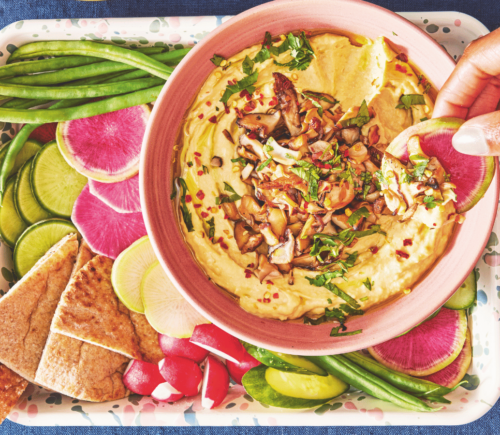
[[89, 48], [341, 367], [72, 92], [400, 380]]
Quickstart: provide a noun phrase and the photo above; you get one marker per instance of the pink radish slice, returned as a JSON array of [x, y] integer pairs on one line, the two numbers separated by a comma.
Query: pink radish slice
[[105, 147], [172, 346], [238, 370], [122, 197], [106, 231], [217, 341], [182, 374], [166, 393], [142, 377], [215, 383]]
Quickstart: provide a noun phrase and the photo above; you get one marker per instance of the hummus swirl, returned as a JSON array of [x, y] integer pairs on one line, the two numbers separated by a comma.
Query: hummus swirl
[[411, 234]]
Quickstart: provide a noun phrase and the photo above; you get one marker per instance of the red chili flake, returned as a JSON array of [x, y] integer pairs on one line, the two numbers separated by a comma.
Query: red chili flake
[[329, 167], [250, 106], [276, 295], [190, 164], [407, 242], [346, 153], [374, 249], [248, 273], [261, 102], [402, 254], [208, 103], [196, 153], [200, 195], [274, 101], [251, 265], [244, 93], [188, 198], [226, 216], [226, 109], [200, 116], [402, 57], [220, 206], [434, 224], [196, 205], [198, 161], [221, 239], [202, 235], [261, 95], [213, 119], [204, 214], [224, 246], [200, 173], [259, 300], [238, 113], [315, 124], [401, 68], [269, 282], [306, 204], [231, 82], [267, 301]]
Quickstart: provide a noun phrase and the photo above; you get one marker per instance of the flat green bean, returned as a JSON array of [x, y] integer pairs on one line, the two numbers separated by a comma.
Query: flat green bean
[[89, 48]]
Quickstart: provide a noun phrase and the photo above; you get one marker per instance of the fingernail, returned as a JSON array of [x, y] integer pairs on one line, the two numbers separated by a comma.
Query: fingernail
[[470, 140]]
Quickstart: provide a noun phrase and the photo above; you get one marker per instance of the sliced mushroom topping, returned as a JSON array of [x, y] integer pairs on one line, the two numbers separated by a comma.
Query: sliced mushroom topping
[[268, 234], [243, 152], [246, 239], [350, 135], [254, 145], [341, 221], [438, 172], [247, 171], [370, 167], [228, 136], [358, 152], [296, 228], [287, 98], [322, 99], [298, 143], [266, 269], [260, 123], [250, 209], [306, 261], [329, 229], [230, 210], [342, 193], [409, 213], [373, 197], [216, 162], [277, 219], [284, 252], [284, 199], [319, 146], [285, 183], [373, 136]]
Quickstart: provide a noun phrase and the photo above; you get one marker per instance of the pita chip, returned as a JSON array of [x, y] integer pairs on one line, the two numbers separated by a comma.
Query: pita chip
[[26, 311], [90, 311], [12, 387]]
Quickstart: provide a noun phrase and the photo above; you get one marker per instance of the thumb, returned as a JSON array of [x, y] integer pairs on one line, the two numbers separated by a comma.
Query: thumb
[[479, 136]]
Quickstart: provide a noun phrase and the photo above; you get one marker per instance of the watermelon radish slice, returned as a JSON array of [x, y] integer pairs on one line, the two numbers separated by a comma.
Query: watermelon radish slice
[[122, 197], [426, 349], [471, 174], [105, 147], [45, 133], [106, 231], [451, 375]]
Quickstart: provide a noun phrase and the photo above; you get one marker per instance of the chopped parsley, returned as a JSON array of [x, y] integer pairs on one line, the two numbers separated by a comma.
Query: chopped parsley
[[368, 284], [205, 169], [361, 119], [314, 103], [329, 301], [365, 298], [366, 177], [223, 199], [424, 119], [211, 231], [186, 214], [419, 164], [357, 215], [264, 164], [324, 279], [239, 160], [301, 52], [244, 84], [379, 180], [347, 175], [334, 314], [217, 60], [248, 66], [310, 173], [405, 178], [320, 97], [335, 331], [268, 49], [431, 202], [408, 100]]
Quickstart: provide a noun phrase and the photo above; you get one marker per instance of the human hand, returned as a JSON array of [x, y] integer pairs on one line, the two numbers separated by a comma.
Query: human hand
[[472, 92]]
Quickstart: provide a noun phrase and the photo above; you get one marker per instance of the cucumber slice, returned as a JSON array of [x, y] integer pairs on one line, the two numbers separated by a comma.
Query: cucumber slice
[[26, 204], [466, 294], [291, 390], [11, 224], [56, 185], [283, 361], [128, 270], [30, 148], [36, 240]]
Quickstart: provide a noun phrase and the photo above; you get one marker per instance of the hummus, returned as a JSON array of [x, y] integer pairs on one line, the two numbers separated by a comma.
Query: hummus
[[260, 230]]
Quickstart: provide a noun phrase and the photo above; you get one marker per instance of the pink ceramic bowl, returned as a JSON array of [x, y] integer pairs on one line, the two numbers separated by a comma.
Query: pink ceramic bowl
[[279, 17]]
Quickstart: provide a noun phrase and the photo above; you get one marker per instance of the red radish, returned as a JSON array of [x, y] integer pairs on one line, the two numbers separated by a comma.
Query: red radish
[[122, 196], [238, 370], [172, 346], [142, 377], [215, 383], [45, 133], [182, 374], [217, 341], [166, 393], [106, 231]]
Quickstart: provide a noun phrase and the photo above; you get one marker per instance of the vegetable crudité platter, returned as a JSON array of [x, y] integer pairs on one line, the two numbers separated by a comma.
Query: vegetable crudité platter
[[41, 407]]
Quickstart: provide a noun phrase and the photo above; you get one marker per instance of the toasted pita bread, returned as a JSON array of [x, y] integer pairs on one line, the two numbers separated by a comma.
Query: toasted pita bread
[[12, 387], [90, 311], [26, 311], [85, 254]]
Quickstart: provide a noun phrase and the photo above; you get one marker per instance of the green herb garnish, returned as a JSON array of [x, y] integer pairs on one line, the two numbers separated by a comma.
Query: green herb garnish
[[186, 214], [405, 178], [335, 331], [205, 169], [264, 164], [368, 284], [431, 202], [211, 231], [357, 215], [224, 199], [239, 160], [324, 279], [310, 173], [248, 66], [361, 119], [366, 177], [314, 103], [301, 51], [321, 97], [419, 164], [329, 301], [409, 100], [244, 84], [424, 119], [217, 60]]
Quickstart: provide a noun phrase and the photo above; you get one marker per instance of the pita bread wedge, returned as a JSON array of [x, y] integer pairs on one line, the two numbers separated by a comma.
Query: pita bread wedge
[[85, 254], [12, 387], [90, 311], [26, 311]]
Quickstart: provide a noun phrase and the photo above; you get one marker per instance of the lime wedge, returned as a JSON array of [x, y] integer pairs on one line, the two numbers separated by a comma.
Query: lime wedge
[[128, 270], [166, 309]]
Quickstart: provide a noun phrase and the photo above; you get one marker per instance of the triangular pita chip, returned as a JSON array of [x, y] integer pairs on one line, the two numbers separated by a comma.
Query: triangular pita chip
[[12, 386], [90, 311], [26, 311]]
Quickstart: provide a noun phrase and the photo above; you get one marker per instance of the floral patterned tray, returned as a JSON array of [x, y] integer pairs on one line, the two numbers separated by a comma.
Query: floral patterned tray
[[40, 407]]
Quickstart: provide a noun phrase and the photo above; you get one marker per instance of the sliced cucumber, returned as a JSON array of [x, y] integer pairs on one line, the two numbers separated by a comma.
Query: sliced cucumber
[[30, 148], [284, 362], [26, 204], [291, 390], [11, 224], [36, 240], [55, 184], [466, 294]]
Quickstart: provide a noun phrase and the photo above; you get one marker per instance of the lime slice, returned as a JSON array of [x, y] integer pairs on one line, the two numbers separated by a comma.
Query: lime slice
[[128, 270], [37, 240], [11, 224], [30, 148], [165, 308]]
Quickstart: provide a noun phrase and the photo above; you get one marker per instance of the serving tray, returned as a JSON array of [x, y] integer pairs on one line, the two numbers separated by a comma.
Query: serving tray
[[39, 407]]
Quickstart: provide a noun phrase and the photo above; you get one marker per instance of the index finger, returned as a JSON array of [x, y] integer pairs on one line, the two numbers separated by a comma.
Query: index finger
[[480, 62]]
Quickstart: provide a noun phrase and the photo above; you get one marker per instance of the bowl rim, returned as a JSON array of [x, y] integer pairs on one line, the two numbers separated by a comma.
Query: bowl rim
[[345, 344]]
